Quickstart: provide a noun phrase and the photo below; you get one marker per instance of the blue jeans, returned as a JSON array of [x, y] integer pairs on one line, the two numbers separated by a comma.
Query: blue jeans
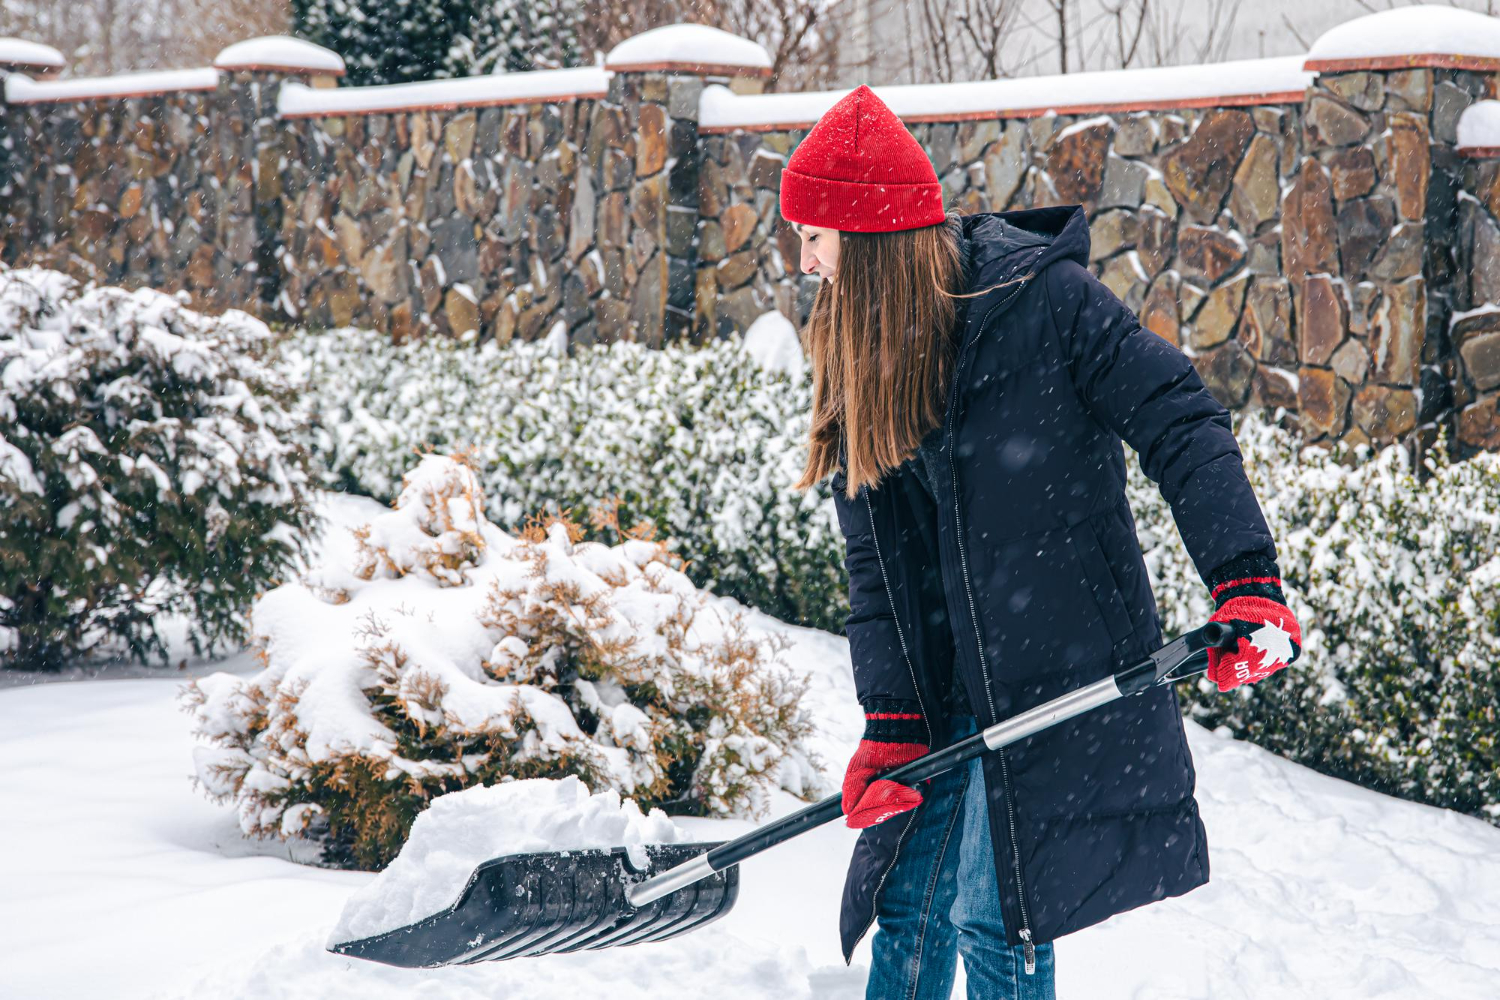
[[942, 899]]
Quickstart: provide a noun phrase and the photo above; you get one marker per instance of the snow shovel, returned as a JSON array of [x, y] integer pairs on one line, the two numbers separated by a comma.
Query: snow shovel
[[541, 904]]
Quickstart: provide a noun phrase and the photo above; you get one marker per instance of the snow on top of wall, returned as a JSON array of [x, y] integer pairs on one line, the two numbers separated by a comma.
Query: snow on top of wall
[[1406, 31], [279, 52], [298, 100], [22, 89], [20, 52], [1479, 126], [694, 44], [1224, 82]]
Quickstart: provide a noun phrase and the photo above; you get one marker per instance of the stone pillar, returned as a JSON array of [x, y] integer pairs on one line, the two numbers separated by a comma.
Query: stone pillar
[[248, 137], [1352, 242], [1370, 235], [658, 79], [640, 208], [16, 155], [36, 60]]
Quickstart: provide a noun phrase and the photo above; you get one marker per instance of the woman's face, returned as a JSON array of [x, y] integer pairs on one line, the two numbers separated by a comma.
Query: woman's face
[[820, 250]]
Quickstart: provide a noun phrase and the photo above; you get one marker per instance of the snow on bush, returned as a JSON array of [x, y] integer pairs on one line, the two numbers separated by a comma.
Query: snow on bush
[[146, 466], [1395, 579], [1389, 571], [435, 528], [449, 654], [462, 830], [703, 443]]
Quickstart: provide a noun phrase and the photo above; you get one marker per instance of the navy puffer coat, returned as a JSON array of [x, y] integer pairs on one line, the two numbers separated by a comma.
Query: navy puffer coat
[[1026, 569]]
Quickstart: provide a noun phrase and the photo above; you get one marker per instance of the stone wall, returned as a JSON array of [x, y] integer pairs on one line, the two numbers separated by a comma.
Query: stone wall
[[1327, 250], [1373, 251], [1185, 211], [504, 220], [156, 190]]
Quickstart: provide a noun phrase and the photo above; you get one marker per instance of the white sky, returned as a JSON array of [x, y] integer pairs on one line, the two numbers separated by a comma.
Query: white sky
[[1260, 28]]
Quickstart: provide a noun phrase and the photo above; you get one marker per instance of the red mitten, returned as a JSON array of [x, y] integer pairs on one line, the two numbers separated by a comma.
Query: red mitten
[[894, 735], [1247, 593]]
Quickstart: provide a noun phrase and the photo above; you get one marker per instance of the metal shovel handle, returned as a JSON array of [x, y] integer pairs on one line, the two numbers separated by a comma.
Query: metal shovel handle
[[1179, 659]]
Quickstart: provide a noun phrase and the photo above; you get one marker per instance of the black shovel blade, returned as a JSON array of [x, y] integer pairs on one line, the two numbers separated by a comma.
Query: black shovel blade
[[538, 904]]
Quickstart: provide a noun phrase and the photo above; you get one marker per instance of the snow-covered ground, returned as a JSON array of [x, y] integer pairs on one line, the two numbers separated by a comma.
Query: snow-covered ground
[[119, 879]]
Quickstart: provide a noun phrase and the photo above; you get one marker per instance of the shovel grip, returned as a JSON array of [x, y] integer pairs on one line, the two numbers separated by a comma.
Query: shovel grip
[[1179, 659]]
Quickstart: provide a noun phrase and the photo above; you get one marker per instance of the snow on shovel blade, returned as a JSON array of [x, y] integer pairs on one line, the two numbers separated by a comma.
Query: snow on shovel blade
[[538, 904]]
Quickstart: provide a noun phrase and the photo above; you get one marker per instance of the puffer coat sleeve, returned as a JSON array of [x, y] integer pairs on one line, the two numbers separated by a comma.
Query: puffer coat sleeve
[[1147, 391], [886, 577]]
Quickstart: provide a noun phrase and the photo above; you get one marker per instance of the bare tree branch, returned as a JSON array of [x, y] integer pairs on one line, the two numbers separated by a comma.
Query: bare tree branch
[[988, 23], [1301, 40]]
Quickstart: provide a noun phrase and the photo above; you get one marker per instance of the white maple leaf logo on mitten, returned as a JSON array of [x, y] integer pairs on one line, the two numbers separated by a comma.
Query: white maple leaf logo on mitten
[[1273, 642]]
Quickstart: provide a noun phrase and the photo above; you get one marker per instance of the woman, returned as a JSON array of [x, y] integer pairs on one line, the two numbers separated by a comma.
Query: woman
[[972, 384]]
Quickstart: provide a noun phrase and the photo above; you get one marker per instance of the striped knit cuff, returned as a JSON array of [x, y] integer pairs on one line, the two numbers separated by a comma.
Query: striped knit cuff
[[891, 720], [1253, 575]]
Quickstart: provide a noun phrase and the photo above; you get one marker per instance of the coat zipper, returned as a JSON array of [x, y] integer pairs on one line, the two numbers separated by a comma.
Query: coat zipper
[[963, 558], [906, 656]]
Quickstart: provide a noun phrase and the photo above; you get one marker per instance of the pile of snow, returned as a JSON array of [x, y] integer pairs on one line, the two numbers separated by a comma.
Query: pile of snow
[[462, 830], [694, 44], [279, 52], [1479, 126], [1422, 29], [773, 342], [297, 100], [20, 52], [1321, 890], [22, 89]]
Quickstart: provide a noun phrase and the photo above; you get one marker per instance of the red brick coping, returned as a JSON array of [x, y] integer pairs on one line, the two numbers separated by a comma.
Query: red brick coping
[[270, 68], [704, 69], [1428, 60]]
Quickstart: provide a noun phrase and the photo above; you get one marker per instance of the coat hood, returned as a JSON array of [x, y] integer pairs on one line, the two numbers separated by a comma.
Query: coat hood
[[1000, 246], [997, 248]]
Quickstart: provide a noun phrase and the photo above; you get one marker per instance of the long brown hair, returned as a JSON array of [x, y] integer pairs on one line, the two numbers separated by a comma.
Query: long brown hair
[[881, 341]]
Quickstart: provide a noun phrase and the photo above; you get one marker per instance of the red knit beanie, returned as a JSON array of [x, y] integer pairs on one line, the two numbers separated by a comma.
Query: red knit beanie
[[860, 171]]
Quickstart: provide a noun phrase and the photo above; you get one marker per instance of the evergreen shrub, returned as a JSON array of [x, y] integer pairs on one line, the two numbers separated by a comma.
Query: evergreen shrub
[[404, 41], [701, 443], [147, 466], [1393, 573]]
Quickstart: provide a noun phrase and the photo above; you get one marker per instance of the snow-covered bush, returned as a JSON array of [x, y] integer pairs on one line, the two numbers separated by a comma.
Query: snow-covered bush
[[146, 466], [703, 443], [441, 39], [1395, 579], [447, 653]]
